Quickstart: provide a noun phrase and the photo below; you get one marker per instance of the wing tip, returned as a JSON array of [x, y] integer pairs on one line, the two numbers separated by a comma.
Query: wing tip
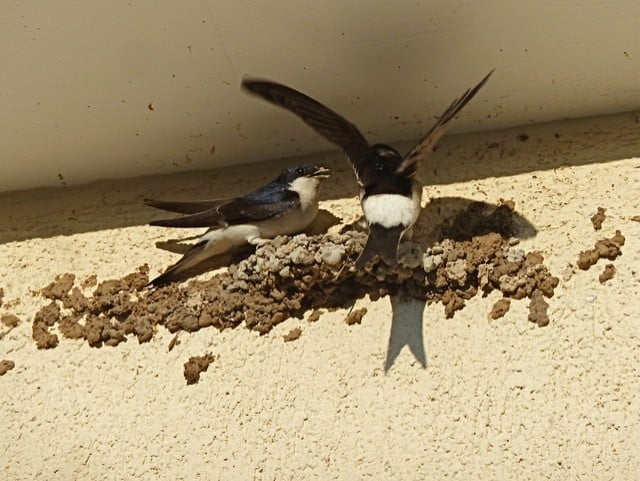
[[257, 85], [483, 81], [248, 83], [161, 223], [459, 103]]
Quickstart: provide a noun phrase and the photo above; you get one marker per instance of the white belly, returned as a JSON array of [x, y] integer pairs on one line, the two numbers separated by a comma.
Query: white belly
[[223, 239], [392, 210], [289, 224]]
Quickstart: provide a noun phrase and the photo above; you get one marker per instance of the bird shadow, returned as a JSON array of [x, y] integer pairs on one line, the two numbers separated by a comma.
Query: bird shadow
[[459, 218], [455, 218], [406, 330]]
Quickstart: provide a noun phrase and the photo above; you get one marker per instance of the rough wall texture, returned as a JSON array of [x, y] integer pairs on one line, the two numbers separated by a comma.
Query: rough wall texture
[[500, 399]]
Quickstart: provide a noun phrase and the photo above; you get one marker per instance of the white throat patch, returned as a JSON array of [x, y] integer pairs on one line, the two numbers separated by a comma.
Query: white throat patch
[[307, 189]]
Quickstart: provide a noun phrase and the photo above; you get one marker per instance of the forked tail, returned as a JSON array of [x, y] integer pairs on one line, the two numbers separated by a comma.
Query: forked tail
[[381, 242]]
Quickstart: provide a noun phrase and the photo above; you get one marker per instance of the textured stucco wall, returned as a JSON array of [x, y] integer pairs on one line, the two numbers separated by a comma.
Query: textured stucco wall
[[79, 79], [498, 400]]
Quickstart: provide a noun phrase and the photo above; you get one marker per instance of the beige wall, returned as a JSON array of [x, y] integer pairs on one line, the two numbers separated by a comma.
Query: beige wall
[[77, 78]]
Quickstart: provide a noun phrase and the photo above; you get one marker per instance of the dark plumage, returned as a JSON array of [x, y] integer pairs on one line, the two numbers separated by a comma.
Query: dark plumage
[[389, 192], [287, 205]]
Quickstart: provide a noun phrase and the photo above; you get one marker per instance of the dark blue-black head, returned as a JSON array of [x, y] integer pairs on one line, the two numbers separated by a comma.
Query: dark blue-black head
[[382, 175], [386, 160], [292, 173]]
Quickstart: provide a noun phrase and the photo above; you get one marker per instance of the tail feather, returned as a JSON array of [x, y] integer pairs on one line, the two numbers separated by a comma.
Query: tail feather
[[208, 218], [383, 243], [185, 207]]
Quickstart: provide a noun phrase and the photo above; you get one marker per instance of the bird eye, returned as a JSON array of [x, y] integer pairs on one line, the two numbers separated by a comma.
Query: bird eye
[[299, 171]]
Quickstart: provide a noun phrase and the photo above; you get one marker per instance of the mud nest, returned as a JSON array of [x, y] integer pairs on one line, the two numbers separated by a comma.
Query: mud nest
[[291, 275]]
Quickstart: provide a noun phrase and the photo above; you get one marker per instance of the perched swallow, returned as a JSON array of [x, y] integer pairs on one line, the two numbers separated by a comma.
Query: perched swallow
[[390, 194], [282, 207]]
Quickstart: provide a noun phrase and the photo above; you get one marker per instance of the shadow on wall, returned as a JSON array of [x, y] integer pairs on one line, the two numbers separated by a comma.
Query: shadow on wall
[[406, 330], [43, 213]]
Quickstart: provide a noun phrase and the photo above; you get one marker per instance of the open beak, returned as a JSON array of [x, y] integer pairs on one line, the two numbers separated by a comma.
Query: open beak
[[322, 172]]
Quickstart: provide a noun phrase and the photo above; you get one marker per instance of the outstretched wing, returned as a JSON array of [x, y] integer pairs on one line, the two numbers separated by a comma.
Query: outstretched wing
[[426, 145], [333, 127]]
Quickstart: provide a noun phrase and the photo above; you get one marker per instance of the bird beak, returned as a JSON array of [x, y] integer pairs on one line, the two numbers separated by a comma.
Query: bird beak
[[321, 172]]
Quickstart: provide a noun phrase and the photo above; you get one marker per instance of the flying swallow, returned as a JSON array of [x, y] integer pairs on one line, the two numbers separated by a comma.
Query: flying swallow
[[285, 206], [390, 194]]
